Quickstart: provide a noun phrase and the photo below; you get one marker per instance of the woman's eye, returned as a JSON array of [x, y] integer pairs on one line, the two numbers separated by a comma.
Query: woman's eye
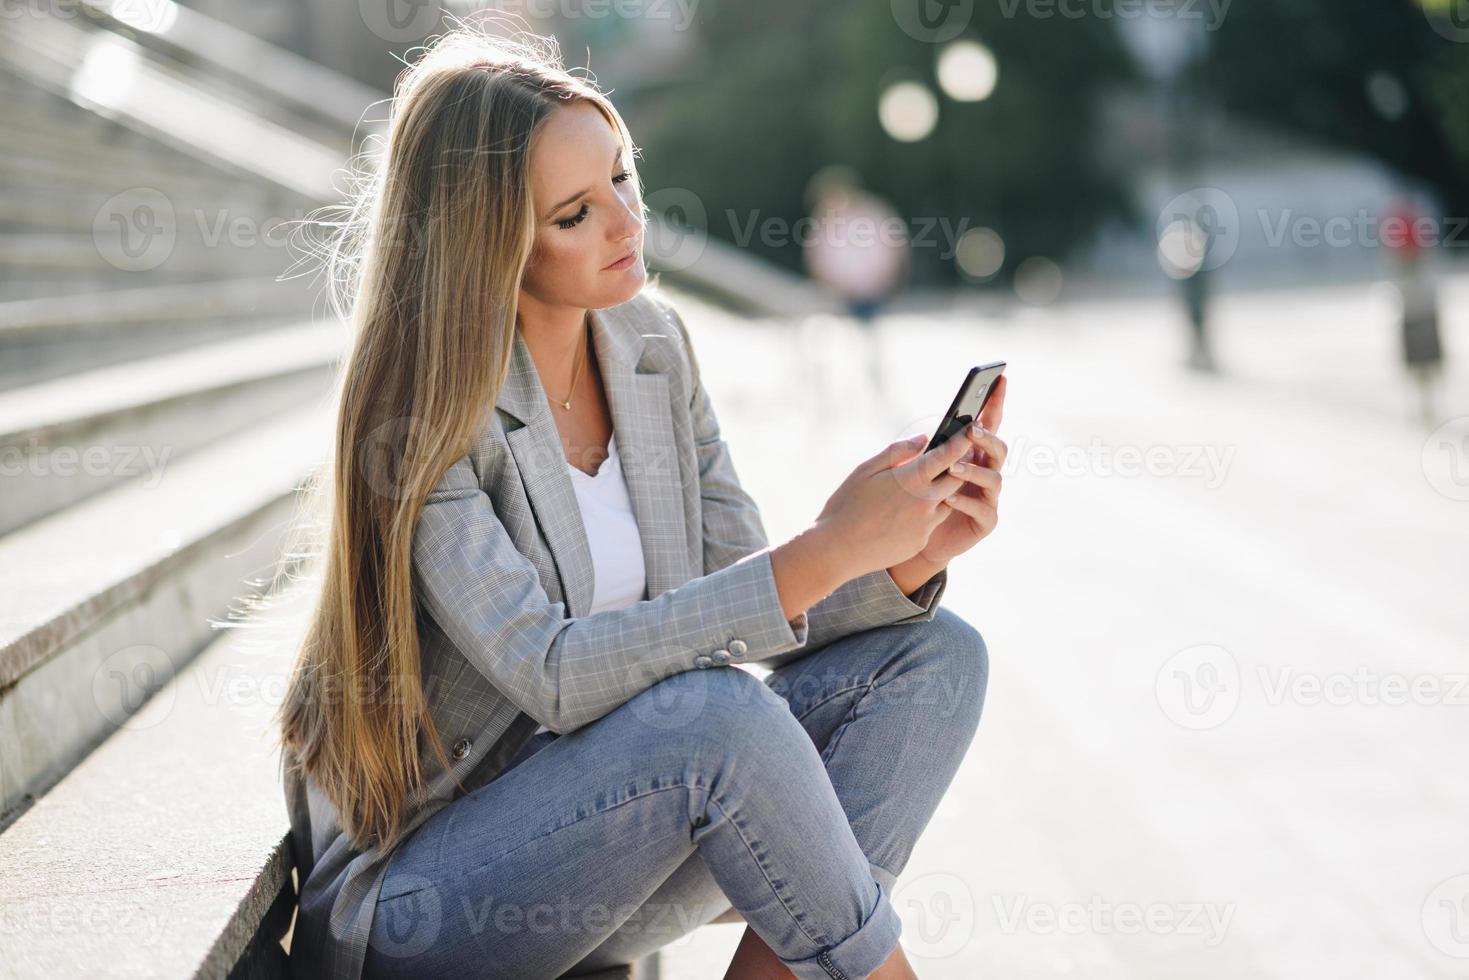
[[569, 223]]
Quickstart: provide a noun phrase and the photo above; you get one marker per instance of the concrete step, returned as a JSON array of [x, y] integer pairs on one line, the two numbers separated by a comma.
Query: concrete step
[[52, 131], [107, 599], [52, 336], [282, 87], [252, 296], [79, 172], [52, 209], [225, 127], [49, 130], [188, 245], [27, 110], [300, 91], [55, 142], [165, 852], [65, 440], [54, 285]]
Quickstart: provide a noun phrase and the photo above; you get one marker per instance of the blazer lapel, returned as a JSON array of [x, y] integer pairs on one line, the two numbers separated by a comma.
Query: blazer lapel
[[636, 383]]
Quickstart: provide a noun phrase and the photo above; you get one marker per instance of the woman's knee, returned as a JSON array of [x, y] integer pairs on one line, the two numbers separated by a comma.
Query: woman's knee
[[725, 709], [964, 645]]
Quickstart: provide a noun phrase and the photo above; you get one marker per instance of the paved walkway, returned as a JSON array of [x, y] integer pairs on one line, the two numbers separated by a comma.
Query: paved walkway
[[1227, 618]]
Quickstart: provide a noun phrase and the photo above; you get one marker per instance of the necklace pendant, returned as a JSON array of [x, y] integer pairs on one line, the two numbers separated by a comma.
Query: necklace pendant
[[566, 405]]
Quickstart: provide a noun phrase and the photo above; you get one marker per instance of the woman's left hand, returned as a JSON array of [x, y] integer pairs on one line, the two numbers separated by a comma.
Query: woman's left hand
[[976, 503]]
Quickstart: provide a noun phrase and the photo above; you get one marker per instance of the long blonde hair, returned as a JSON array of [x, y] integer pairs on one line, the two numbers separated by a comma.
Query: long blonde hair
[[435, 242]]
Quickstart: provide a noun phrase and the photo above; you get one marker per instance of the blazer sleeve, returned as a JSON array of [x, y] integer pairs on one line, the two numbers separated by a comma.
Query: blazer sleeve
[[487, 598], [733, 529]]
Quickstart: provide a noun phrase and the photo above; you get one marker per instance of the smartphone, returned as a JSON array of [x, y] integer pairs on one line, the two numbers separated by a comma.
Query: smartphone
[[978, 385]]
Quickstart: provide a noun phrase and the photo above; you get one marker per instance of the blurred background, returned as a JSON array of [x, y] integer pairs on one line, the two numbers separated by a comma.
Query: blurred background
[[1220, 245]]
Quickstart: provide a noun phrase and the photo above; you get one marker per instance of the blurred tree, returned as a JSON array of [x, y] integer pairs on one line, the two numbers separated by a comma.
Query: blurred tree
[[786, 88], [1373, 78]]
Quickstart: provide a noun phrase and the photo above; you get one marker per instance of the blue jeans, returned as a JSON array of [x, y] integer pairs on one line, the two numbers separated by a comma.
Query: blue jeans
[[796, 798]]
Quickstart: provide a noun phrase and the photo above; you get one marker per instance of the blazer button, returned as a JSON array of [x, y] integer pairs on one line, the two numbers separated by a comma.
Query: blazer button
[[462, 747], [703, 661], [737, 648], [721, 657]]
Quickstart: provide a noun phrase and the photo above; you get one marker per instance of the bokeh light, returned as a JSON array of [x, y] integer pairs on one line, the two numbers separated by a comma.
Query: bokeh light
[[967, 71], [980, 253], [1038, 281], [908, 111]]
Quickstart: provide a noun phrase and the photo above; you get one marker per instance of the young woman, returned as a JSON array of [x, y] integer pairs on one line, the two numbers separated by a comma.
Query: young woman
[[516, 742]]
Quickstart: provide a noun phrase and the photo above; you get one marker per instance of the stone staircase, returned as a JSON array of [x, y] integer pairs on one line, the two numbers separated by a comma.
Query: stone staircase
[[163, 394]]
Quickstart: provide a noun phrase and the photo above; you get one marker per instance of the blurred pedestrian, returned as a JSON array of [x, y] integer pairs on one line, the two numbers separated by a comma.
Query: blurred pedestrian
[[1403, 232], [858, 249], [1196, 300]]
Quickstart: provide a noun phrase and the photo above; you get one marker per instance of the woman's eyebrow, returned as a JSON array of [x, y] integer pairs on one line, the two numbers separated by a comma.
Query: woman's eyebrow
[[581, 193]]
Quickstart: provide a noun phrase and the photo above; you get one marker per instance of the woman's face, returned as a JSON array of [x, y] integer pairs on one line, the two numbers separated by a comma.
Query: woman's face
[[588, 215]]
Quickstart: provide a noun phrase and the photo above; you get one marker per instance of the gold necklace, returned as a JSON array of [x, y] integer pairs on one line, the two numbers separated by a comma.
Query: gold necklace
[[576, 375]]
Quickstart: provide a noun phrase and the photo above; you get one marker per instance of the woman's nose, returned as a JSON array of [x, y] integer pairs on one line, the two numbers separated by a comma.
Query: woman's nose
[[631, 216], [632, 224]]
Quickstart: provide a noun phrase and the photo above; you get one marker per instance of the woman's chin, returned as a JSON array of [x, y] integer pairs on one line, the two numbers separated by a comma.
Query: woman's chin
[[625, 282]]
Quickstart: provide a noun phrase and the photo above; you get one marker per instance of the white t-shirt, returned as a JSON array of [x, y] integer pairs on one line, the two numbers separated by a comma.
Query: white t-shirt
[[612, 532]]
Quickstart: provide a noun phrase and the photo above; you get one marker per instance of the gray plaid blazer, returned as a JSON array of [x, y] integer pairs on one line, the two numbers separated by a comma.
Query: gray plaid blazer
[[504, 579]]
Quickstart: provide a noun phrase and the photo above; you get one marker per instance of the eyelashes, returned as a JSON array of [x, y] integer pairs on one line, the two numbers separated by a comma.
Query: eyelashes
[[569, 223], [580, 216]]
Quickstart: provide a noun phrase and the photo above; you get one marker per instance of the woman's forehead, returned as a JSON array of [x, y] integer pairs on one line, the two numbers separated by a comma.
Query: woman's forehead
[[573, 147]]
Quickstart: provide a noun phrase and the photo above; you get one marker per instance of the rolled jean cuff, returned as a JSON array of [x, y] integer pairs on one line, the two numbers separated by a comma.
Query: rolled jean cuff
[[884, 877], [860, 953]]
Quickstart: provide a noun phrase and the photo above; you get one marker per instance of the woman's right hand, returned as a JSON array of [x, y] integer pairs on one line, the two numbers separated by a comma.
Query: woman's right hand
[[883, 513]]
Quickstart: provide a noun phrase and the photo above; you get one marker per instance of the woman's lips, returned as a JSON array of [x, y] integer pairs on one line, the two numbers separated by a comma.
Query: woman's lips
[[623, 262]]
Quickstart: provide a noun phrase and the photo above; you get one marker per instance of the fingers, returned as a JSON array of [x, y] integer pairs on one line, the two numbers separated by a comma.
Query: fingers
[[992, 445], [987, 479], [994, 409], [937, 460], [947, 485], [979, 509], [895, 453]]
